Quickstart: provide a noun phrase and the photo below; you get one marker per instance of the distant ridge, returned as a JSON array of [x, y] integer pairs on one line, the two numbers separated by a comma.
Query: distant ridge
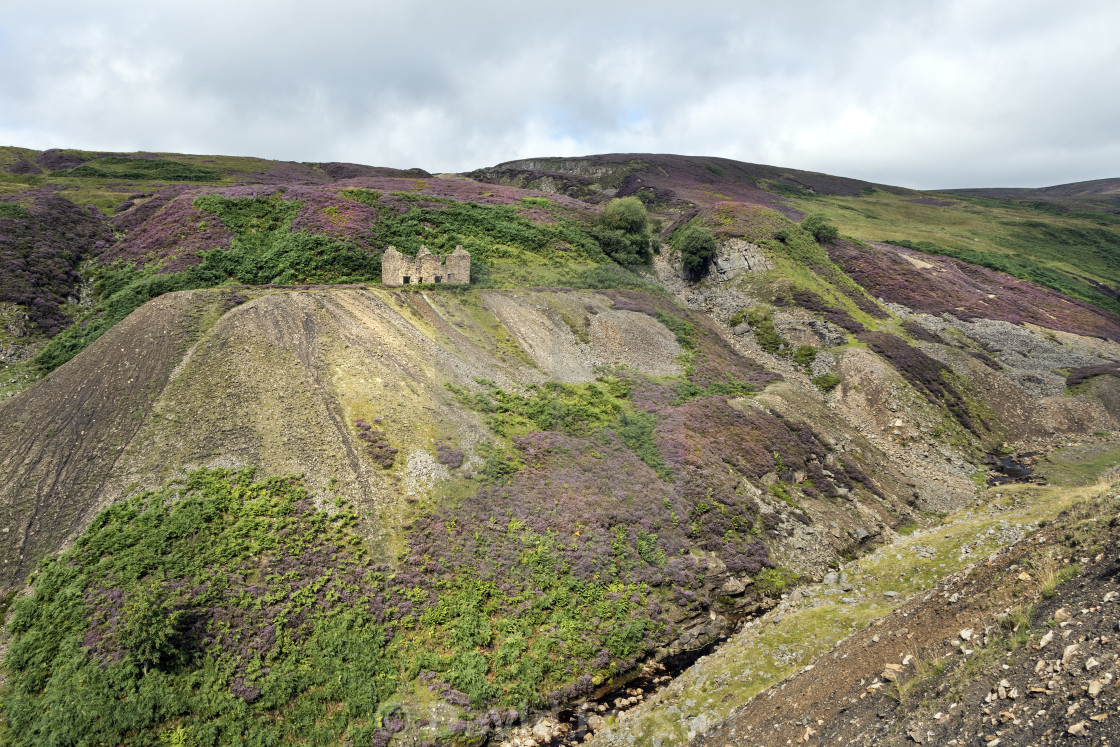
[[1099, 189]]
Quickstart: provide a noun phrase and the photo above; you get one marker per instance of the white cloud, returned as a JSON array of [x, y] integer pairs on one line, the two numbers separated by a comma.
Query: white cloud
[[950, 94]]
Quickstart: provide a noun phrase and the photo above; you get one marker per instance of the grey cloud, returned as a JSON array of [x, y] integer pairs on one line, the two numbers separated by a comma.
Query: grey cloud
[[950, 94]]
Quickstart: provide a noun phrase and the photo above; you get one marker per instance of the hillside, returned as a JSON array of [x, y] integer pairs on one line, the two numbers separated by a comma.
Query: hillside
[[250, 494]]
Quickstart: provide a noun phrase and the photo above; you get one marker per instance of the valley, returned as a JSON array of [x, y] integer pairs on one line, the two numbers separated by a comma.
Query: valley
[[700, 436]]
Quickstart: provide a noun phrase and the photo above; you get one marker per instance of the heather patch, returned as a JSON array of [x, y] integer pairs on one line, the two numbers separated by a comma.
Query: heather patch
[[334, 213], [587, 542], [1079, 376], [551, 572], [1041, 252], [920, 333], [275, 607], [969, 291], [931, 377], [170, 234], [377, 444], [41, 247], [810, 301]]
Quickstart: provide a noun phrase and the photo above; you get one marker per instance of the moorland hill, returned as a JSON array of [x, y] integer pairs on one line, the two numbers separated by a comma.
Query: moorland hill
[[250, 494]]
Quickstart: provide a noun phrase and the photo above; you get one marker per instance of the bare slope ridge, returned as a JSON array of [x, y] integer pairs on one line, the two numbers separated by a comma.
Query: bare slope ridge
[[62, 440], [277, 383]]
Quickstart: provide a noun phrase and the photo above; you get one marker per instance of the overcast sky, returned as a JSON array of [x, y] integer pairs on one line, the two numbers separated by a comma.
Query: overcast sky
[[952, 94]]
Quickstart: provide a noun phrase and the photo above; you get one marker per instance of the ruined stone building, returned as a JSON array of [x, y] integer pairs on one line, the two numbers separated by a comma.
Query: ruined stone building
[[425, 267]]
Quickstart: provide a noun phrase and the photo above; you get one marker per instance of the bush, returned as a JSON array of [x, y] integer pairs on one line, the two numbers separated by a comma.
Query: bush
[[698, 247], [769, 339], [826, 382], [822, 230], [623, 231], [804, 355], [149, 625]]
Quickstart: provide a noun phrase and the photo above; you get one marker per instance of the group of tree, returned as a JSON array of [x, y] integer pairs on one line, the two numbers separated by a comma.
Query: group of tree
[[622, 230]]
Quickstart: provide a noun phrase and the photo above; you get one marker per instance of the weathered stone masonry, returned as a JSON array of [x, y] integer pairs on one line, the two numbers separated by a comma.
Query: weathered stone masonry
[[425, 267]]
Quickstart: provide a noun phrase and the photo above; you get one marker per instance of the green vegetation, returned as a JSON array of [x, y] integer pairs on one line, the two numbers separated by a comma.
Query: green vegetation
[[1069, 251], [682, 329], [571, 408], [124, 167], [263, 251], [1079, 465], [149, 625], [490, 233], [622, 230], [804, 355], [11, 210], [584, 409], [202, 611], [826, 382], [822, 231], [210, 549], [761, 322], [638, 430], [697, 245]]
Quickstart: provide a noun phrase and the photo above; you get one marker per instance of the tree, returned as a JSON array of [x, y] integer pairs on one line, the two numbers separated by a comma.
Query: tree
[[698, 247], [149, 625], [622, 231], [822, 230]]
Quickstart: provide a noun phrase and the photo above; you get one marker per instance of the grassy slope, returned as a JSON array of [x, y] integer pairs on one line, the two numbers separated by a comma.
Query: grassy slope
[[1070, 252]]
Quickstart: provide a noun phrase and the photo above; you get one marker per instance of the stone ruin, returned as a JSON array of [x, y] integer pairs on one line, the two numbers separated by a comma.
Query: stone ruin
[[425, 267]]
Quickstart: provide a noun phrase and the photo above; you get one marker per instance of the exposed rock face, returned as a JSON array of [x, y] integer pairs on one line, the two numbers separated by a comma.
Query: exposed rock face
[[736, 256]]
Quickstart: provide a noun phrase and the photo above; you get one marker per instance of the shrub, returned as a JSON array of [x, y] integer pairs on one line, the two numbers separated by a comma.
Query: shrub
[[698, 246], [826, 382], [804, 355], [622, 231], [762, 322], [822, 230], [149, 625]]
